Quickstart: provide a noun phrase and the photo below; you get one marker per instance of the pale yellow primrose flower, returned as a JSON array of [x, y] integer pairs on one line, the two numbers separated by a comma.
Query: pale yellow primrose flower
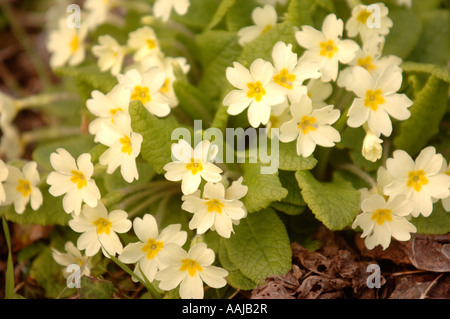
[[106, 106], [163, 8], [255, 90], [189, 270], [21, 187], [110, 54], [326, 47], [382, 219], [99, 228], [146, 87], [73, 180], [364, 21], [421, 180], [191, 165], [145, 43], [145, 253], [289, 74], [372, 149], [264, 18], [377, 99], [214, 209], [310, 127], [72, 256], [66, 44]]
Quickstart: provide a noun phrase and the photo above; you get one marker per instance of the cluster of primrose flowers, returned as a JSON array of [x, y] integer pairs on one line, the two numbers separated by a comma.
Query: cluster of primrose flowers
[[288, 93]]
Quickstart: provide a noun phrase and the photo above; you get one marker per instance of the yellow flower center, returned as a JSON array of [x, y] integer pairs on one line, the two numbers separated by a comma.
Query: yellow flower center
[[214, 205], [274, 120], [152, 248], [363, 15], [285, 79], [79, 261], [103, 226], [151, 44], [165, 87], [74, 44], [306, 124], [114, 111], [127, 147], [382, 215], [328, 48], [24, 187], [194, 167], [416, 179], [191, 266], [267, 28], [79, 179], [256, 91], [367, 64], [142, 94], [373, 99]]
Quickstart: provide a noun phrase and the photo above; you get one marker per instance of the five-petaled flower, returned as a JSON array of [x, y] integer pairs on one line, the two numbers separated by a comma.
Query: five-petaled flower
[[74, 180]]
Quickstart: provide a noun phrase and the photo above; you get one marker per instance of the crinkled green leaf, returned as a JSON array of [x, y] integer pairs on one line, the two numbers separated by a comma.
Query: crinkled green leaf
[[434, 46], [438, 223], [218, 49], [404, 34], [235, 277], [156, 133], [199, 14], [262, 46], [76, 146], [291, 161], [240, 14], [88, 78], [438, 71], [260, 246], [48, 274], [426, 114], [287, 208], [300, 12], [335, 204], [262, 188], [194, 101], [93, 288]]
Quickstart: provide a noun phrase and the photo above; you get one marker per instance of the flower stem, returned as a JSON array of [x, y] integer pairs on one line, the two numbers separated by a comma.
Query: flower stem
[[360, 173]]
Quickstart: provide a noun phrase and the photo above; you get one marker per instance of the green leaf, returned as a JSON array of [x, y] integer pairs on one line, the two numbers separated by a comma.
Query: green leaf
[[260, 246], [335, 204], [220, 13], [235, 277], [262, 46], [9, 276], [50, 213], [426, 114], [199, 14], [287, 208], [193, 101], [438, 223], [405, 33], [156, 133], [434, 44], [88, 78], [262, 188], [291, 161], [76, 146], [300, 12], [438, 71], [48, 274], [218, 49], [240, 15], [93, 288]]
